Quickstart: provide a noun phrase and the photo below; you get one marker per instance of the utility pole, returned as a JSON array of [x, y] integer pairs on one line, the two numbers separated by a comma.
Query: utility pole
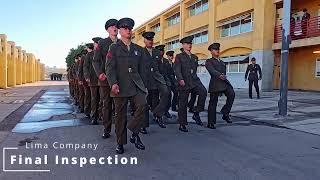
[[286, 41]]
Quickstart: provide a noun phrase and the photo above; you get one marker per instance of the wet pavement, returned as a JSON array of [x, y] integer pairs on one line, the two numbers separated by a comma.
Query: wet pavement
[[53, 109]]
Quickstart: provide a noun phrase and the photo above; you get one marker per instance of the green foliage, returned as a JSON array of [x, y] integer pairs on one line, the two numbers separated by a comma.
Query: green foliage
[[72, 54]]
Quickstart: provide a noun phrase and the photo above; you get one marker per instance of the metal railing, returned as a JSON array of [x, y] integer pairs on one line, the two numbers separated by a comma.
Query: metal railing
[[300, 29]]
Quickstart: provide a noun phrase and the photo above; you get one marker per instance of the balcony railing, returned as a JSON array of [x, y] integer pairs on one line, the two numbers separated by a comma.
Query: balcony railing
[[300, 30]]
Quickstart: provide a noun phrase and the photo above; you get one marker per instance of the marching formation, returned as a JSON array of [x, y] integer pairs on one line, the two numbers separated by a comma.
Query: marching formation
[[113, 74]]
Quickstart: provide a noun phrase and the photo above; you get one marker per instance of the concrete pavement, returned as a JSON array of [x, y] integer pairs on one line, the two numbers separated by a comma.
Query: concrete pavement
[[303, 109], [247, 149]]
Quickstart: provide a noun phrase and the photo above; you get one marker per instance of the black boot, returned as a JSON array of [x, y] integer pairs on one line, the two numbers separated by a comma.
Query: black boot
[[87, 115], [226, 117], [167, 115], [183, 128], [120, 149], [105, 134], [135, 139], [174, 108], [211, 126], [197, 118], [144, 131], [94, 122], [160, 122]]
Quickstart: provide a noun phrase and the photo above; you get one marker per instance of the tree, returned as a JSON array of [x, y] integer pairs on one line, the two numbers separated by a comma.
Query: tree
[[72, 54]]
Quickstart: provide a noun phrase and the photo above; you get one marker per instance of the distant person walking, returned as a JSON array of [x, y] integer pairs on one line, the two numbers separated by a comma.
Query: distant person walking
[[252, 70]]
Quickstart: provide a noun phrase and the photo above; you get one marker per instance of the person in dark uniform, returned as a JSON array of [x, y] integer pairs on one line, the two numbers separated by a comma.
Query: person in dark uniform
[[81, 82], [164, 66], [76, 67], [185, 67], [174, 84], [155, 82], [87, 94], [75, 80], [253, 69], [99, 67], [193, 97], [125, 74], [92, 81], [218, 85], [70, 80]]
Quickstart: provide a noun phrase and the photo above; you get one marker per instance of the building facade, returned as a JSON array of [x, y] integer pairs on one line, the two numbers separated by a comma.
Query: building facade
[[17, 66], [245, 28]]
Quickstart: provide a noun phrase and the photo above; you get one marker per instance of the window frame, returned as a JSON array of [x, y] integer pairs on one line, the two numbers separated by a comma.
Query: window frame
[[198, 7], [174, 19], [251, 17], [200, 35], [156, 28], [238, 64], [171, 45], [317, 65]]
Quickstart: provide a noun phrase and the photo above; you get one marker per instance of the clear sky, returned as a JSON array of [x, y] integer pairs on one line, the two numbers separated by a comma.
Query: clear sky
[[49, 28]]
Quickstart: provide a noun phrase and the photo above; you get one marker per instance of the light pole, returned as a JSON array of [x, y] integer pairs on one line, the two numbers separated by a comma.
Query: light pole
[[286, 41]]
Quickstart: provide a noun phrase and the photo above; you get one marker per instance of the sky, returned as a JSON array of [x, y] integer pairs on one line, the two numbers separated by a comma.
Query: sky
[[49, 28]]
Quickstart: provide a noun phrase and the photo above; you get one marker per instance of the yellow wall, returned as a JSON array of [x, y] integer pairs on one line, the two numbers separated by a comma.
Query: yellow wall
[[258, 42], [194, 22], [261, 38], [29, 67], [3, 61], [231, 8], [302, 64], [24, 67], [19, 66], [12, 68]]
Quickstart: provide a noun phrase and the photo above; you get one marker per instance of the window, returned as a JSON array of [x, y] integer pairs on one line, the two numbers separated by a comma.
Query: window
[[156, 28], [243, 66], [233, 66], [235, 28], [175, 44], [241, 25], [201, 37], [236, 64], [225, 30], [175, 19], [198, 7], [318, 68]]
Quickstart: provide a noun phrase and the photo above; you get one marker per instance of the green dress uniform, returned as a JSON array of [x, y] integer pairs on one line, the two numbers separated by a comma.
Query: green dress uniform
[[98, 63], [185, 67], [90, 74], [217, 86]]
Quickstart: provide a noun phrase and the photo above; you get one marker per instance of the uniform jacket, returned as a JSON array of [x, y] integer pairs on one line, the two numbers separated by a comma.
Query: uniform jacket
[[80, 71], [216, 67], [164, 66], [185, 68], [152, 65], [99, 58], [125, 67], [88, 70], [253, 71]]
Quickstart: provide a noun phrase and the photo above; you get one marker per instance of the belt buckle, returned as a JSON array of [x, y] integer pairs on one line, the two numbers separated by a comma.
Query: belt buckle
[[191, 71], [129, 70], [151, 69]]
